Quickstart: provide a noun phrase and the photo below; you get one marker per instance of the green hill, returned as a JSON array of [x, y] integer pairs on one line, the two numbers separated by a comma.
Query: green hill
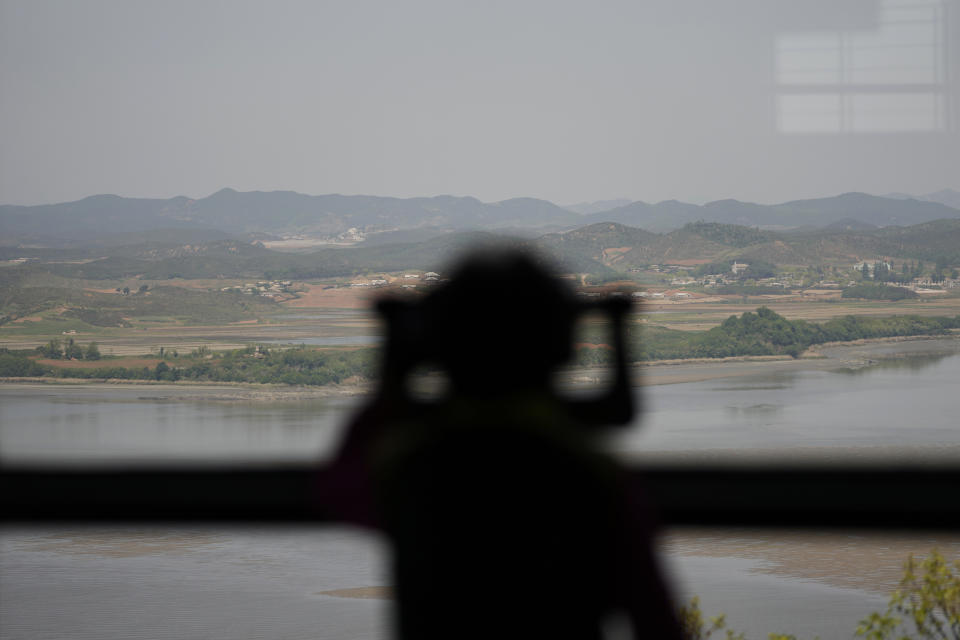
[[602, 248]]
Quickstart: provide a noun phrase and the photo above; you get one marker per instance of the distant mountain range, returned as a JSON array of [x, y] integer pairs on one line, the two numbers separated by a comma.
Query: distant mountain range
[[948, 197], [114, 220], [849, 208]]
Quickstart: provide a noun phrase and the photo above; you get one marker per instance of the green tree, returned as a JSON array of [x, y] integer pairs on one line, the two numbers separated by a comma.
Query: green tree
[[927, 604], [695, 627], [52, 350], [72, 351], [17, 365], [92, 352], [872, 291]]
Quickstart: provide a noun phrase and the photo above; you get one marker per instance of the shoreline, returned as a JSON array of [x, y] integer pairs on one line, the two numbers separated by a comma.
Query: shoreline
[[870, 561], [856, 354], [828, 356], [201, 390]]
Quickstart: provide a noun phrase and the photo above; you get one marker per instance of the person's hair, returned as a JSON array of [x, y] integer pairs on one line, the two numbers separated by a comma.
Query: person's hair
[[503, 321]]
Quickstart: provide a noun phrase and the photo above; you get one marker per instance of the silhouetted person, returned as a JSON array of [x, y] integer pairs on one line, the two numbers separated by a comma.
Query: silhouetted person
[[505, 520]]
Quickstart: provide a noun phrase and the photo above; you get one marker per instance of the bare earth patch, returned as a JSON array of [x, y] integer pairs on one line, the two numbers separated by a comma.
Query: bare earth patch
[[94, 290], [316, 297]]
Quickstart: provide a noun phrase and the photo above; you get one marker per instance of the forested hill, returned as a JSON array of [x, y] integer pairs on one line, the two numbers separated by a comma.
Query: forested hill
[[603, 248], [621, 247], [102, 220]]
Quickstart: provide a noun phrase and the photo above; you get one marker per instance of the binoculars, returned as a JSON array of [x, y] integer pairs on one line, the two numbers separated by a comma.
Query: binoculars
[[497, 344]]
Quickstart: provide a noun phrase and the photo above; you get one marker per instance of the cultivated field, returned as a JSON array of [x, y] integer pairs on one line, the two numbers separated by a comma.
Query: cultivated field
[[340, 316]]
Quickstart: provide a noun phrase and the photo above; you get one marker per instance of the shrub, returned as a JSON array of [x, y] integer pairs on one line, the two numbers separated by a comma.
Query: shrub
[[927, 604]]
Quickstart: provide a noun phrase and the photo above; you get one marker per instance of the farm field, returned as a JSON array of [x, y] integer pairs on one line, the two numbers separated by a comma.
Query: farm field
[[342, 316], [698, 316]]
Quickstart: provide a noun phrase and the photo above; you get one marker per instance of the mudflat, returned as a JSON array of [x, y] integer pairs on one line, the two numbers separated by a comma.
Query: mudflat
[[854, 559]]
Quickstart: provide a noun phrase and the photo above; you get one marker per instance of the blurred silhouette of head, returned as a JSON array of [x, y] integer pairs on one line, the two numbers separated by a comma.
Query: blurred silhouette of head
[[501, 324]]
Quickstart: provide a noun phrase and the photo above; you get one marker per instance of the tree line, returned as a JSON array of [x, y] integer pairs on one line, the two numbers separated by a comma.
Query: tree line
[[763, 333], [297, 366], [69, 350]]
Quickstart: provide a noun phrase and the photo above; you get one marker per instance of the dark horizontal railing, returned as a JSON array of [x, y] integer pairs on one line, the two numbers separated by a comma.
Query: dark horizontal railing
[[876, 497]]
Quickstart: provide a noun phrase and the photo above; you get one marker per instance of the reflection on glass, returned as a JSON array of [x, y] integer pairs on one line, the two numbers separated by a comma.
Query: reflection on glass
[[894, 78]]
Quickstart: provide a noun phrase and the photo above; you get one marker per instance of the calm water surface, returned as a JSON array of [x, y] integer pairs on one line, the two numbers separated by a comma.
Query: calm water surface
[[142, 582], [102, 423], [907, 403], [910, 402]]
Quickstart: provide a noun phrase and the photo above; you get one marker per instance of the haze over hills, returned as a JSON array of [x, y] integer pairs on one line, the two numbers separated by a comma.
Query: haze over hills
[[275, 212], [600, 248], [819, 212], [585, 208], [949, 197], [103, 219], [621, 247]]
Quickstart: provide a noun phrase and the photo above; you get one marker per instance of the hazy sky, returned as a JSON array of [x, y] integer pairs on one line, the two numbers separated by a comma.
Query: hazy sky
[[762, 100]]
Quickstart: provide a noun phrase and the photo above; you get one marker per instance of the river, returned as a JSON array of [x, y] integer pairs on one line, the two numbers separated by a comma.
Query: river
[[275, 582]]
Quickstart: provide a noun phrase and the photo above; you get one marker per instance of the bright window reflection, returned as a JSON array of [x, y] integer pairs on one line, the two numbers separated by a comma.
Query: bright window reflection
[[894, 78]]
